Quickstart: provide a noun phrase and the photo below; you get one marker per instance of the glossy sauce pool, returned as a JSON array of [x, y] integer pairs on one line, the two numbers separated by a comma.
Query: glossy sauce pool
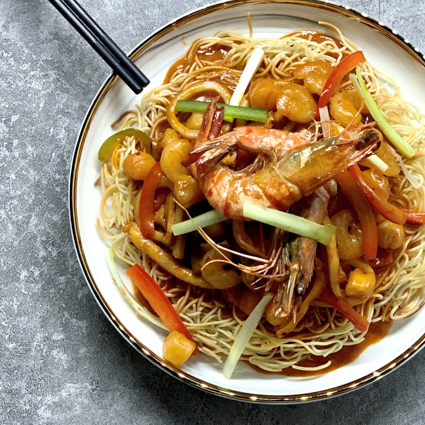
[[218, 52], [316, 36], [346, 355], [211, 54]]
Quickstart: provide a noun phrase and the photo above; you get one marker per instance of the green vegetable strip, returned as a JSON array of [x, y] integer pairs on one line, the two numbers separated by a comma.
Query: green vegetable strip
[[108, 146], [289, 222], [141, 310], [244, 336], [377, 115], [203, 220], [230, 112]]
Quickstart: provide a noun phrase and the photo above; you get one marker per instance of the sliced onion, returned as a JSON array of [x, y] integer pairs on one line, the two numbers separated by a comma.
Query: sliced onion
[[325, 120], [409, 176], [244, 336], [289, 222], [249, 71], [142, 311], [203, 220]]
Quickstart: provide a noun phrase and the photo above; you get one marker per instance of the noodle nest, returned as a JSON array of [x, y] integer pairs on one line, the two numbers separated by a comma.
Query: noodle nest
[[213, 324]]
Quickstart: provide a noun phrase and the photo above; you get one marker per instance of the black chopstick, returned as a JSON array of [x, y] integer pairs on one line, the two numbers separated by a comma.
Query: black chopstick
[[102, 43]]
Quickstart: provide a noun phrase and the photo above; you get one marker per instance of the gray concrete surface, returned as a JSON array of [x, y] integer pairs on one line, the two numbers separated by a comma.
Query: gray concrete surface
[[61, 361]]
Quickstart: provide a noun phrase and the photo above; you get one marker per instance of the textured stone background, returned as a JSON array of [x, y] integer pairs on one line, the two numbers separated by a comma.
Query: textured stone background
[[61, 361]]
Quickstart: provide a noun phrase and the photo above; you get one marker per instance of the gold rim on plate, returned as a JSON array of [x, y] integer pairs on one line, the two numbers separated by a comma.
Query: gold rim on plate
[[75, 229]]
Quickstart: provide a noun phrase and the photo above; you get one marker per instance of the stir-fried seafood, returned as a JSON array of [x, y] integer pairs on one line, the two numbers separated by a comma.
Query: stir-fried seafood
[[287, 168], [299, 255], [305, 223]]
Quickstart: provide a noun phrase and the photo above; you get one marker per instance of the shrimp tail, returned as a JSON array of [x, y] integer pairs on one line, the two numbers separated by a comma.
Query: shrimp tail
[[197, 153], [212, 123], [215, 153]]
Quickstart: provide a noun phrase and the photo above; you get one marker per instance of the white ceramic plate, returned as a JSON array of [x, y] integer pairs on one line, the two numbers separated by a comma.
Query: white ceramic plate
[[383, 48]]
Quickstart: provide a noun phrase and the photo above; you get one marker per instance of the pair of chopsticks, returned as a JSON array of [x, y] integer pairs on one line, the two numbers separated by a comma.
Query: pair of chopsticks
[[102, 44]]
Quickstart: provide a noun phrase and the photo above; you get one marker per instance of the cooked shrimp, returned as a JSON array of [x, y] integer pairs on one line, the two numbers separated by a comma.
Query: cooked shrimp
[[263, 93], [301, 255], [138, 165], [214, 271], [296, 103], [390, 235], [345, 105], [319, 67], [349, 236], [174, 155], [287, 166], [314, 74]]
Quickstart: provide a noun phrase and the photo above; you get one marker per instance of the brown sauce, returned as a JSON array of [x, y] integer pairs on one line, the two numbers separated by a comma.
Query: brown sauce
[[178, 64], [160, 129], [217, 52], [315, 36], [346, 355], [213, 53]]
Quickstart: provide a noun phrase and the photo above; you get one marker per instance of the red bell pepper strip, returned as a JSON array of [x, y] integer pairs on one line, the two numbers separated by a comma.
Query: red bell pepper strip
[[160, 198], [381, 205], [158, 301], [147, 200], [346, 65], [359, 202], [388, 211], [416, 217], [328, 297]]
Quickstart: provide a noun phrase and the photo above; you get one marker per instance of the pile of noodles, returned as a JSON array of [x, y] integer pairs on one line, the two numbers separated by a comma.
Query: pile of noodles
[[211, 322]]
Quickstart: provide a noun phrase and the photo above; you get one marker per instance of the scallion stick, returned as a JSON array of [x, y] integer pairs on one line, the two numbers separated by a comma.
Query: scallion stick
[[203, 220], [403, 147], [289, 222], [230, 112]]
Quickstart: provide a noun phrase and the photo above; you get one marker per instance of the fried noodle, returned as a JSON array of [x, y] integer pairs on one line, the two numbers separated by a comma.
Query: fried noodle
[[213, 324]]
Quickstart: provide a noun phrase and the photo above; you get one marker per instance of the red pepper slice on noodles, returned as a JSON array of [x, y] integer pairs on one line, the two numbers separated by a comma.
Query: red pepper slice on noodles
[[416, 217], [331, 85], [381, 205], [158, 301], [328, 297]]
